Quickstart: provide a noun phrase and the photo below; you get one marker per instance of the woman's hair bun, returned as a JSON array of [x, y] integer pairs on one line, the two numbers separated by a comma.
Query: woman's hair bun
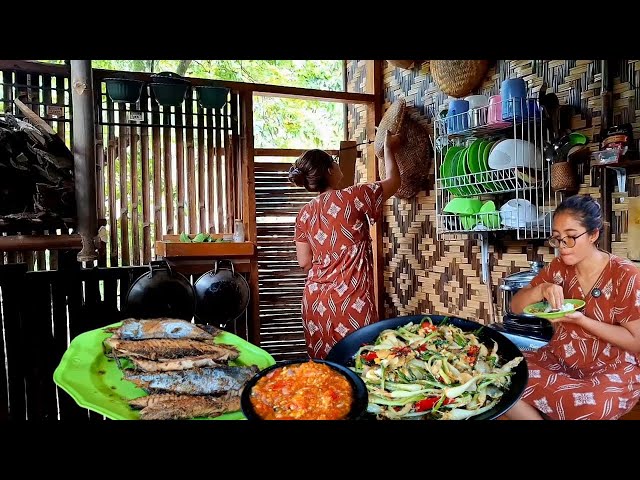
[[296, 176]]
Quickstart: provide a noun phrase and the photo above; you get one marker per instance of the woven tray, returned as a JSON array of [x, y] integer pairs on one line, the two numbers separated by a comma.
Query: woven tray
[[413, 156]]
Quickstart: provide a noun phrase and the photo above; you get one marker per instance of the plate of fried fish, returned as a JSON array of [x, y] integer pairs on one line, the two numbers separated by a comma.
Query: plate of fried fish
[[159, 369]]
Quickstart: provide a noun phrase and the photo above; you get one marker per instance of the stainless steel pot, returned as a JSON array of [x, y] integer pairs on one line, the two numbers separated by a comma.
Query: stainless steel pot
[[512, 283]]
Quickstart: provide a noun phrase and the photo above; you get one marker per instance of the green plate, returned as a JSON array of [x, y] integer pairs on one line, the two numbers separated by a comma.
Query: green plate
[[473, 160], [453, 174], [446, 167], [95, 382], [537, 309]]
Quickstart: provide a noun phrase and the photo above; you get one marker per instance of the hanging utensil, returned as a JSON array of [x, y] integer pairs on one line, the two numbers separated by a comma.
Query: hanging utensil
[[222, 295], [162, 292]]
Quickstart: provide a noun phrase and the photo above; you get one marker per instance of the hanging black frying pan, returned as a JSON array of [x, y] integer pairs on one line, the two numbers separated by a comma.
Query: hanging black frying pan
[[222, 295], [162, 292], [344, 351]]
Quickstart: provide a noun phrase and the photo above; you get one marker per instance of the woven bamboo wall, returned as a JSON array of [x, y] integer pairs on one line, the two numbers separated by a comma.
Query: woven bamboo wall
[[423, 275]]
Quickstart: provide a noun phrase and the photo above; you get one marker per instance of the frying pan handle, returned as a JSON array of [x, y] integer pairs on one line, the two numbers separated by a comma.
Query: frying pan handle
[[160, 264], [215, 268]]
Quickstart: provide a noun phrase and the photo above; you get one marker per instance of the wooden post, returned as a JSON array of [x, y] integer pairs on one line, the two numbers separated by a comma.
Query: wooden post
[[84, 156], [374, 115], [348, 157], [249, 207], [606, 119]]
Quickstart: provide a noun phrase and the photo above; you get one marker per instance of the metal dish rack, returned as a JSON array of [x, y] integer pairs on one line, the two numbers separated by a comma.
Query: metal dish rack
[[524, 183]]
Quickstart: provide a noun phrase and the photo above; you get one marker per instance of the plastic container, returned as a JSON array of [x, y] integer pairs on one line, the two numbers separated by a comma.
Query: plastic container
[[238, 231]]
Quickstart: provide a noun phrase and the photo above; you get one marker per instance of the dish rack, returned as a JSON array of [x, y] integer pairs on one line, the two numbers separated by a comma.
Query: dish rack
[[495, 173]]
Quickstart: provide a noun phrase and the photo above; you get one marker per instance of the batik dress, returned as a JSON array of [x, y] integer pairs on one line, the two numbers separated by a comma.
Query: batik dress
[[338, 296], [578, 375]]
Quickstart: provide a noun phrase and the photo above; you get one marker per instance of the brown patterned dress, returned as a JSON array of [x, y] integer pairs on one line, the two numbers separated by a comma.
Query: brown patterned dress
[[580, 376], [338, 297]]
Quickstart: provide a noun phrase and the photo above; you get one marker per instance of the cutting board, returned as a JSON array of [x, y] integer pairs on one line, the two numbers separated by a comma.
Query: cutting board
[[633, 239]]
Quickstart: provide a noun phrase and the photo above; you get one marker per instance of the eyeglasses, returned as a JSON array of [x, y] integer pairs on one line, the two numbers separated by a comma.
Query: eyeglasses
[[566, 242]]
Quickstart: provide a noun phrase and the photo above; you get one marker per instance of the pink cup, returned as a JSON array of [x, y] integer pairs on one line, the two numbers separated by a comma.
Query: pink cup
[[495, 109]]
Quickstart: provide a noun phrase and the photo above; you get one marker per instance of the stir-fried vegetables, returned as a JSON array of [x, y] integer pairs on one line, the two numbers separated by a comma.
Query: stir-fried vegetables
[[427, 371]]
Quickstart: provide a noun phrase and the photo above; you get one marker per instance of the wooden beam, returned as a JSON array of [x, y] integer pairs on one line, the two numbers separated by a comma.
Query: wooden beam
[[285, 152], [374, 86], [606, 120], [249, 207], [84, 153], [256, 88], [348, 159], [16, 243], [35, 67]]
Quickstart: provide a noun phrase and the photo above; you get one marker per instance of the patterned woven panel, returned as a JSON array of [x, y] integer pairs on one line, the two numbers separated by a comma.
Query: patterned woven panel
[[423, 275], [357, 115]]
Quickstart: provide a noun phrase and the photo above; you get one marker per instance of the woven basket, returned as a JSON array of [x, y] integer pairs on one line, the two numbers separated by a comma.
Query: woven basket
[[413, 156], [406, 64], [458, 77], [563, 177]]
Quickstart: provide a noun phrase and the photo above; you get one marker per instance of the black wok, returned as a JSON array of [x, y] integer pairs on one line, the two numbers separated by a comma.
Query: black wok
[[343, 352], [162, 292], [222, 295]]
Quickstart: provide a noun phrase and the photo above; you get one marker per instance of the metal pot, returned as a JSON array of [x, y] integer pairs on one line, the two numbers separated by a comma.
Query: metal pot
[[222, 295], [161, 293], [512, 283]]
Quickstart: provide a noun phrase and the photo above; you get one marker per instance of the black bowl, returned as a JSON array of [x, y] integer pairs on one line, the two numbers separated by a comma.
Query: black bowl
[[344, 351], [212, 97], [169, 78], [123, 89], [169, 95], [360, 395]]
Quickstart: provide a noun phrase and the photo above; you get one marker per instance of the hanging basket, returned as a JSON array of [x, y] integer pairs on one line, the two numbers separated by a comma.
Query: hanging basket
[[123, 89], [413, 156], [405, 64], [563, 177], [212, 97], [458, 78]]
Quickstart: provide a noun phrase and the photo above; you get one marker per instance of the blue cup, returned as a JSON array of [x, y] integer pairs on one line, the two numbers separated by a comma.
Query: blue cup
[[457, 116], [513, 92], [533, 111]]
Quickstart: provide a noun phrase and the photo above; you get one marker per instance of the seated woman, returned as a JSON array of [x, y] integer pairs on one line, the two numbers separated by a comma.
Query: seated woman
[[590, 368]]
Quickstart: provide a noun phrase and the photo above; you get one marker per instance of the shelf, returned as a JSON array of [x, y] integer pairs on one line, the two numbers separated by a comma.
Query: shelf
[[471, 133], [492, 182], [177, 249], [494, 222], [498, 128], [631, 166], [487, 120]]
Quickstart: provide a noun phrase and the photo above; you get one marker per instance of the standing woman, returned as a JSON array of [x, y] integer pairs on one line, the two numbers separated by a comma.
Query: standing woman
[[333, 246], [590, 369]]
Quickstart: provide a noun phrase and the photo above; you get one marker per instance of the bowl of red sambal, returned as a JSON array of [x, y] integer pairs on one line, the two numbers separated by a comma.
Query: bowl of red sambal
[[304, 390]]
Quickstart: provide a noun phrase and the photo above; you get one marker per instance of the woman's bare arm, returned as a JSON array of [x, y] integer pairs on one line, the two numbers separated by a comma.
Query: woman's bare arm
[[304, 255], [391, 183]]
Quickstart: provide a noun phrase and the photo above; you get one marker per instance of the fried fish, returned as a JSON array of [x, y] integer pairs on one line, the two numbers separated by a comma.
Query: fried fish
[[199, 381], [184, 363], [135, 329], [155, 349], [176, 407]]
